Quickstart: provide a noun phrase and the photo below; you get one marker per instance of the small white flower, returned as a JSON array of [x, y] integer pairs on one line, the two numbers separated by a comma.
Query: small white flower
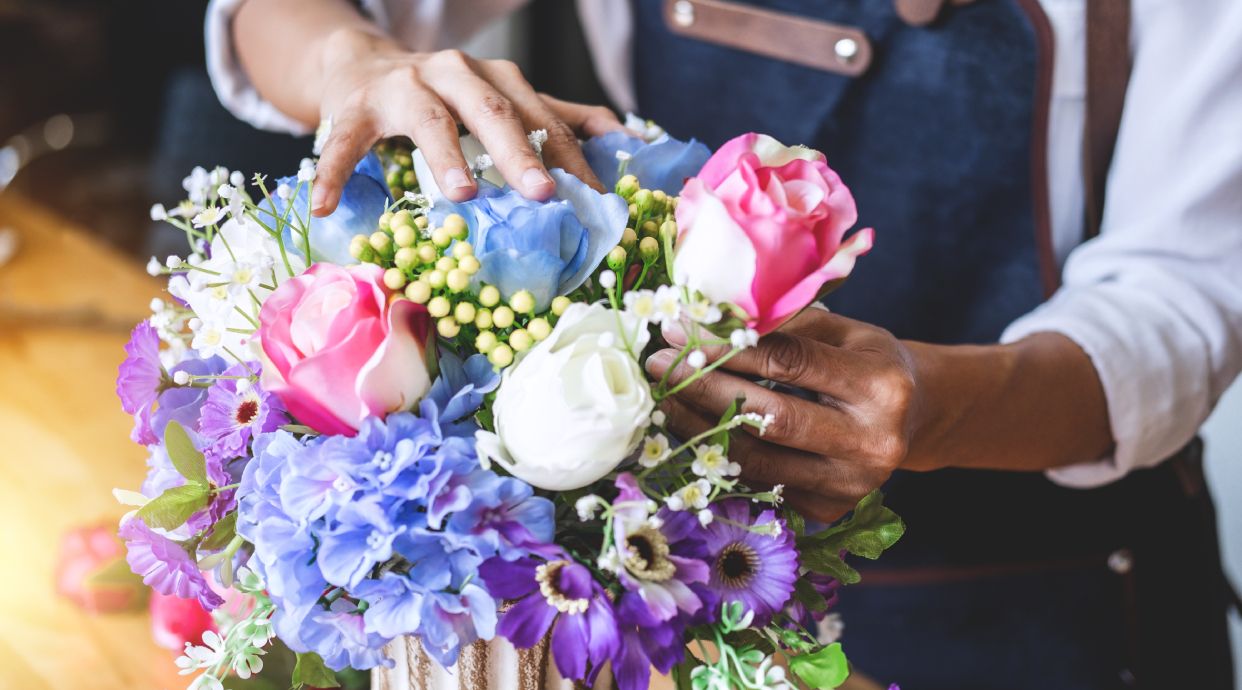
[[181, 378], [208, 216], [158, 212], [173, 261], [306, 171], [778, 494], [761, 421], [654, 521], [243, 385], [607, 280], [610, 561], [588, 506], [237, 179], [667, 304], [658, 418], [738, 339], [218, 176], [154, 267], [641, 303], [483, 162], [224, 191], [711, 462], [703, 311], [247, 664], [284, 191], [697, 359], [706, 516], [206, 682], [752, 337], [693, 496], [655, 451], [623, 156], [537, 139]]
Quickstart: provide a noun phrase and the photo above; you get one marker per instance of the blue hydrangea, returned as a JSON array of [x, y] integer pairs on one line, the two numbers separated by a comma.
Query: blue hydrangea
[[663, 164], [362, 539]]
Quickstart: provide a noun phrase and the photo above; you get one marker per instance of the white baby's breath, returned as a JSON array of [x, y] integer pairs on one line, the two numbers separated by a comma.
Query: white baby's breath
[[655, 450]]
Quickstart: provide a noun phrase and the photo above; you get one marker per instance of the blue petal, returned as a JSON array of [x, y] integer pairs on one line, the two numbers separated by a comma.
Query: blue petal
[[666, 164], [511, 271], [601, 155], [603, 215]]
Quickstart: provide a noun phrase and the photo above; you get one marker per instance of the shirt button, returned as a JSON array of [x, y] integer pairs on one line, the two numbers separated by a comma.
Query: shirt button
[[683, 12], [846, 49]]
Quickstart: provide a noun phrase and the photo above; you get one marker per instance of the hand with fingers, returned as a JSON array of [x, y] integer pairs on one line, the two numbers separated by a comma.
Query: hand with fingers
[[829, 450], [374, 89]]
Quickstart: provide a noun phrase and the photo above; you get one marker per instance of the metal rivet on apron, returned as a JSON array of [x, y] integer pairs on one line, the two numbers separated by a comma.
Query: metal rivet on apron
[[1121, 561], [683, 12], [846, 49]]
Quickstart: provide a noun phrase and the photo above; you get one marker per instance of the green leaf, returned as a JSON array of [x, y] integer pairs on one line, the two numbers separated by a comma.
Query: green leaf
[[826, 560], [824, 669], [299, 429], [722, 437], [221, 533], [806, 594], [173, 507], [310, 670], [795, 521], [870, 530], [185, 457]]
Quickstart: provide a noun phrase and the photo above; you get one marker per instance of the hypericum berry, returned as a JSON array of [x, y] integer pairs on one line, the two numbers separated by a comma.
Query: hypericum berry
[[520, 340], [456, 226], [457, 280], [448, 327], [405, 235], [394, 278], [522, 302], [485, 341], [560, 304], [501, 355], [483, 318], [503, 317], [418, 291], [539, 328], [439, 306], [435, 278], [464, 312], [469, 264], [462, 250], [427, 253], [489, 296]]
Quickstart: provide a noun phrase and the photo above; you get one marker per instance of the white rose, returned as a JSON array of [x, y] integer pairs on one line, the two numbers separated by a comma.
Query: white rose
[[574, 406]]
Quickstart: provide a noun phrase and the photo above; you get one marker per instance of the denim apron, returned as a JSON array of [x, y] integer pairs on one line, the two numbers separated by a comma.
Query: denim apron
[[1003, 580]]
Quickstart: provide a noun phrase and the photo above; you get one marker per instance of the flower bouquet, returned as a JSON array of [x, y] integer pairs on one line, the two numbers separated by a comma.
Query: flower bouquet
[[422, 419]]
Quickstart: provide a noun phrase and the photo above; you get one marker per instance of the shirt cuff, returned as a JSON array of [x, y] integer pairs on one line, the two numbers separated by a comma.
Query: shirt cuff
[[1155, 405], [229, 80]]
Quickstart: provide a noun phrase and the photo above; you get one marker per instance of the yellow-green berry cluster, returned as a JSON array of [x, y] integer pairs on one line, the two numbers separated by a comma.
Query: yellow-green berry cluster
[[648, 238], [398, 163], [435, 266]]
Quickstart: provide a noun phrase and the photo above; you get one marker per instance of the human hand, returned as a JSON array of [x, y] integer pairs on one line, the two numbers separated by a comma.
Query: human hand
[[829, 451], [374, 88]]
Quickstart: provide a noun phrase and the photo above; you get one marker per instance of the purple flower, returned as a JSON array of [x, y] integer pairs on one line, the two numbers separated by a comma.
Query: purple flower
[[234, 413], [165, 566], [556, 594], [453, 619], [662, 557], [183, 404], [828, 587], [505, 513], [139, 379], [339, 635], [756, 568]]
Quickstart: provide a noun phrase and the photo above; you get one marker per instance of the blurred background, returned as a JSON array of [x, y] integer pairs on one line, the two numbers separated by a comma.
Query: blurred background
[[104, 107]]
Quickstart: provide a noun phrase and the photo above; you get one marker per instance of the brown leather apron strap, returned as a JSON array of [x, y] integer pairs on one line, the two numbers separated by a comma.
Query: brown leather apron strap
[[1108, 75]]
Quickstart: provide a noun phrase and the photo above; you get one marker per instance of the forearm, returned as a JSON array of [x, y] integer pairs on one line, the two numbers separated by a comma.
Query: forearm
[[281, 44], [1029, 406]]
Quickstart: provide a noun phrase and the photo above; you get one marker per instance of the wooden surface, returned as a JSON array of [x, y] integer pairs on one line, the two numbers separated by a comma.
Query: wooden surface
[[66, 304]]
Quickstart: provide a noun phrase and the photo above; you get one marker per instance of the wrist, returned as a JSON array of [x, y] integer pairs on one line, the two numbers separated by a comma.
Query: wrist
[[345, 51]]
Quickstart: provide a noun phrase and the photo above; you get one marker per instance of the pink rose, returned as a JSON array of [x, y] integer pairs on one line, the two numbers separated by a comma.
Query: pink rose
[[176, 621], [761, 227], [338, 347]]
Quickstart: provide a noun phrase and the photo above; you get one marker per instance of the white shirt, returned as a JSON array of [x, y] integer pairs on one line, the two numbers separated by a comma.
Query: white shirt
[[1155, 300]]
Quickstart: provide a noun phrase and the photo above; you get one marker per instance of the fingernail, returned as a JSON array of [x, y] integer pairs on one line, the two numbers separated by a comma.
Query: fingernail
[[456, 178], [674, 333], [319, 199], [535, 179], [659, 361]]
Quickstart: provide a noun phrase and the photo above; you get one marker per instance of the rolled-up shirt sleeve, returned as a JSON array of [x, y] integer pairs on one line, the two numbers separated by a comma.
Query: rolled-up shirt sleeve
[[1156, 300], [418, 24]]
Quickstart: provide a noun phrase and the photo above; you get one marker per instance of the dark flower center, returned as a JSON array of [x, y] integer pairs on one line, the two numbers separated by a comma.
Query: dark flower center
[[246, 412], [648, 555], [548, 578], [736, 565]]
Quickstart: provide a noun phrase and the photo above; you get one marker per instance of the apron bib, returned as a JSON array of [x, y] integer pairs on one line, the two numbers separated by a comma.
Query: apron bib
[[1003, 580]]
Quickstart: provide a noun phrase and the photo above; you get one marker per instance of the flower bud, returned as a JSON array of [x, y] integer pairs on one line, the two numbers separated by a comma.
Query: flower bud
[[381, 241], [485, 341], [457, 280], [439, 306], [650, 228], [441, 237], [617, 259], [501, 355], [405, 236], [627, 186], [446, 263], [427, 253], [469, 264], [489, 296], [394, 278], [522, 302], [402, 217], [633, 212], [448, 327], [503, 317], [520, 340], [456, 226], [462, 249], [385, 221], [560, 304], [659, 198], [643, 200], [607, 280], [483, 318], [418, 291], [409, 179], [668, 229], [393, 178], [406, 258], [539, 329], [629, 238], [356, 244], [649, 248], [420, 222]]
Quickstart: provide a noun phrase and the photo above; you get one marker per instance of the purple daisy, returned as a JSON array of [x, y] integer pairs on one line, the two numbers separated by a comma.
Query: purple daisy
[[756, 568], [140, 378], [235, 412], [557, 594], [165, 566]]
